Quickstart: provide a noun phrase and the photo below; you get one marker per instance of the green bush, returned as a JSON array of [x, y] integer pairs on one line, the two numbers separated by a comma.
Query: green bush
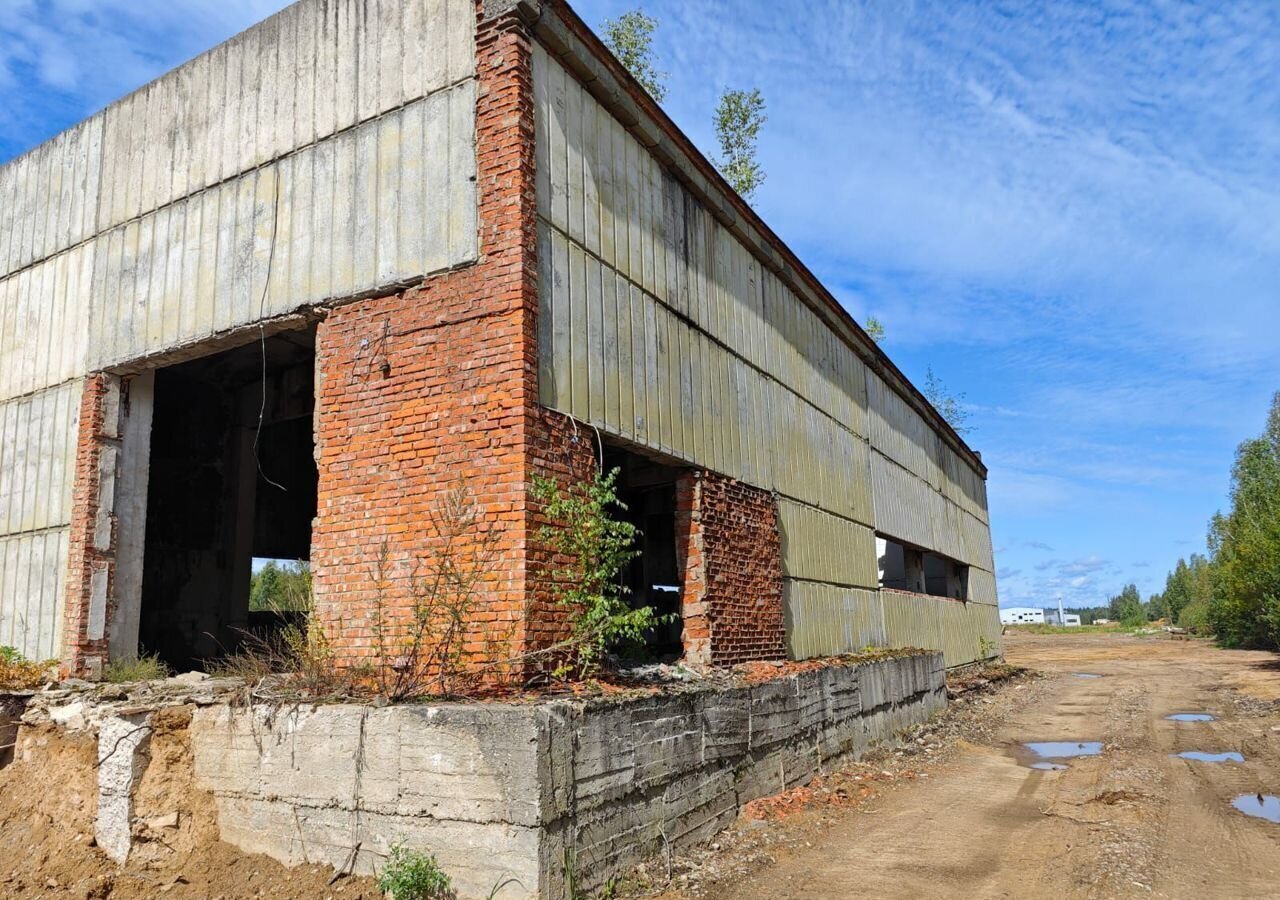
[[585, 530], [413, 875]]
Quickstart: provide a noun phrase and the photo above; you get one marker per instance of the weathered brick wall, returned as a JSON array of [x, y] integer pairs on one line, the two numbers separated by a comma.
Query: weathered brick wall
[[565, 451], [732, 558], [433, 388], [91, 545]]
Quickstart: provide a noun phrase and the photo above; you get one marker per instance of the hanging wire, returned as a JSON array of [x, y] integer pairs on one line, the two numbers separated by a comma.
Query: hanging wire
[[262, 332]]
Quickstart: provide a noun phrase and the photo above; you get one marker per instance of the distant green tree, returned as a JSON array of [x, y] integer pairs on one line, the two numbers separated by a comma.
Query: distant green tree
[[1245, 543], [1202, 587], [874, 329], [280, 587], [1126, 607], [630, 37], [949, 406], [739, 117]]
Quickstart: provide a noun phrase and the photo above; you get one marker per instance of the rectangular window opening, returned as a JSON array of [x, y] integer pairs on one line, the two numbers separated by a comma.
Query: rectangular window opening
[[904, 567]]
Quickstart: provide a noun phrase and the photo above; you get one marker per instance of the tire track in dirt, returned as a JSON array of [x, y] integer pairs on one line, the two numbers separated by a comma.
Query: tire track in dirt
[[1136, 821]]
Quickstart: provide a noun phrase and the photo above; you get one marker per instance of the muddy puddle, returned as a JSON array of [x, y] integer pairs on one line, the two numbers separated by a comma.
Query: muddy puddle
[[1052, 755], [1189, 717], [1202, 756], [1260, 806], [1084, 675]]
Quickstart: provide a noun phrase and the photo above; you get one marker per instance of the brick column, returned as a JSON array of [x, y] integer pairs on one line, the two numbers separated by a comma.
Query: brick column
[[731, 554], [434, 388], [92, 540]]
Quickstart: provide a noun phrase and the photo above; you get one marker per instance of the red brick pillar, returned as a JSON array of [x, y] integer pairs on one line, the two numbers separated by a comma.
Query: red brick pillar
[[731, 553], [435, 388], [92, 540]]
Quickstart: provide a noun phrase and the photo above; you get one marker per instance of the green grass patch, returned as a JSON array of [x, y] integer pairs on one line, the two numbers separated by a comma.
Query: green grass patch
[[135, 668], [1109, 628]]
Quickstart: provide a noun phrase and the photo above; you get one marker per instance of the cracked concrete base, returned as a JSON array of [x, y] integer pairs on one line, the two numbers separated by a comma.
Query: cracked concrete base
[[504, 790]]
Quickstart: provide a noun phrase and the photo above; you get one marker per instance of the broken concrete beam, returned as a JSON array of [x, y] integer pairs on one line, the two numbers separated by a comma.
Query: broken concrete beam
[[123, 744]]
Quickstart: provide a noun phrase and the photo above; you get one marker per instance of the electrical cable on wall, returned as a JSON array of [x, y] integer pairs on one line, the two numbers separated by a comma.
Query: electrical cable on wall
[[262, 333]]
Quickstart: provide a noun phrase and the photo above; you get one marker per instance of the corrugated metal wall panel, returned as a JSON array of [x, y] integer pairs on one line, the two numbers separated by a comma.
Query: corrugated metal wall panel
[[825, 620]]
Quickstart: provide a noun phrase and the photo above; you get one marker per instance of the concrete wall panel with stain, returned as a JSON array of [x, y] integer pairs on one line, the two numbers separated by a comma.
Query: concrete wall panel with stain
[[326, 153]]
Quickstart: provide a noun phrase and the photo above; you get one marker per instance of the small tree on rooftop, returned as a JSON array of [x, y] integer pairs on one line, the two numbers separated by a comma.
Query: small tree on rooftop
[[630, 37], [950, 406], [874, 329], [739, 117]]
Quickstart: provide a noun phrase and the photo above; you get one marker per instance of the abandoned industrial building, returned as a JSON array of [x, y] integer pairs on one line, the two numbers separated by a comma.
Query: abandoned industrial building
[[289, 299], [275, 303]]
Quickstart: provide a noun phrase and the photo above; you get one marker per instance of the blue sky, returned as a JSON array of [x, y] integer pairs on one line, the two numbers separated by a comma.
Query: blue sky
[[1070, 211]]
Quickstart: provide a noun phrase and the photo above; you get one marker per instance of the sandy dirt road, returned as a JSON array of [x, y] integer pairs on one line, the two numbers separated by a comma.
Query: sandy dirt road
[[1135, 821]]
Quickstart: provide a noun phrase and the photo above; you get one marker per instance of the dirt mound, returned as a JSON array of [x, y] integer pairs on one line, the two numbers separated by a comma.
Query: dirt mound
[[48, 802]]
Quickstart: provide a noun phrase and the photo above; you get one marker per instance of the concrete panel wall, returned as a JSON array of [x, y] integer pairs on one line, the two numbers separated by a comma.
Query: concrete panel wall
[[383, 203], [32, 580], [317, 68], [660, 326], [326, 153], [826, 620], [37, 459], [964, 632], [37, 464], [816, 547]]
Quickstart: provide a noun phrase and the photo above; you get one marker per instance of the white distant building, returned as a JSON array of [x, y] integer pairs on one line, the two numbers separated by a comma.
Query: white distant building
[[1071, 620], [1023, 615]]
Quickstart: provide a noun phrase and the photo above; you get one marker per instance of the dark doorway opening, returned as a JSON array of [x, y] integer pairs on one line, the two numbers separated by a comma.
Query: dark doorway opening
[[232, 478], [654, 578]]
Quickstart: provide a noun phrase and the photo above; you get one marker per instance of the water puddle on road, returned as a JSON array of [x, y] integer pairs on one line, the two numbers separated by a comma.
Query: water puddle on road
[[1084, 675], [1260, 806], [1050, 755], [1190, 717], [1201, 756]]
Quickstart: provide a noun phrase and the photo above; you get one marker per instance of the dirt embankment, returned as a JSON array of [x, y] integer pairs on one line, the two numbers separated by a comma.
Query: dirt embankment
[[960, 812], [48, 800]]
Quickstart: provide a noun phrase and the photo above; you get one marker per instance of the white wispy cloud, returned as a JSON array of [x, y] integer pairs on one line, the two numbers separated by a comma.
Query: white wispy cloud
[[61, 60]]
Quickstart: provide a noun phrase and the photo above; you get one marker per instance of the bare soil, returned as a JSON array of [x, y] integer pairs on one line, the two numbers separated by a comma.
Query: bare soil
[[47, 811], [958, 812]]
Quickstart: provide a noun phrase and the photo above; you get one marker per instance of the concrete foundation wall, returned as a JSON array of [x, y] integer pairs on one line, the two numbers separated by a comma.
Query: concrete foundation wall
[[532, 791]]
